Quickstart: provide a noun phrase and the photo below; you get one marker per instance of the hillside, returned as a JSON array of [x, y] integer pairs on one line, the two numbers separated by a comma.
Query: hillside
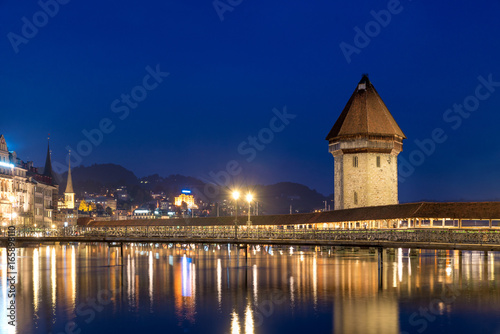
[[93, 178], [273, 199]]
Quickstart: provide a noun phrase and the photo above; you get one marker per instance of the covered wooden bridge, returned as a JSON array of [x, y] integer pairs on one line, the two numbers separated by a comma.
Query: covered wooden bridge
[[410, 215]]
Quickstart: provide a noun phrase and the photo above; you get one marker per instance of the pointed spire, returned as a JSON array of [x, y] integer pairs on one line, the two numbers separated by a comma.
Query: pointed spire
[[365, 114], [69, 184], [47, 171]]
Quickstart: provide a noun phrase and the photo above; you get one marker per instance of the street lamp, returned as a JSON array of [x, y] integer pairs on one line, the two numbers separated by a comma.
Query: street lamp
[[249, 200], [236, 195]]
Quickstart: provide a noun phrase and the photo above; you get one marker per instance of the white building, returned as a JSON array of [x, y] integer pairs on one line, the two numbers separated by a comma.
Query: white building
[[26, 197]]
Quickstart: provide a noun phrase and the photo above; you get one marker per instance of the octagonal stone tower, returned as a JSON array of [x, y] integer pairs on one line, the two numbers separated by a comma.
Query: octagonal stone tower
[[365, 142]]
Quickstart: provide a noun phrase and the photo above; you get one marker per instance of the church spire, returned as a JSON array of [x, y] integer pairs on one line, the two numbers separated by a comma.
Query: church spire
[[69, 184], [47, 171]]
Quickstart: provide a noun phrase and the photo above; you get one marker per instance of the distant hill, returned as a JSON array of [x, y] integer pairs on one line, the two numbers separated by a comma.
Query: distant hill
[[277, 198], [93, 178], [273, 199], [171, 185]]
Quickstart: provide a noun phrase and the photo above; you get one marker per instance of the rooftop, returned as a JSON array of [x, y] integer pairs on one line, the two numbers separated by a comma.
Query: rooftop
[[365, 114]]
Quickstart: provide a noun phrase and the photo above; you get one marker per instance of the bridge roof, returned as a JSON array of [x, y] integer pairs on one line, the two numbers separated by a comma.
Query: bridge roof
[[424, 210]]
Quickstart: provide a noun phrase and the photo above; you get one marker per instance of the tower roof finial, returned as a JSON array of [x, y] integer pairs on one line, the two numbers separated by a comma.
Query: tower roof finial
[[69, 184]]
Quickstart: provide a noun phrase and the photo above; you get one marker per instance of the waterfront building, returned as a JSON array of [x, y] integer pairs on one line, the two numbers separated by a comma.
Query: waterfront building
[[142, 213], [185, 197], [26, 196], [68, 213], [69, 193], [46, 194], [365, 142], [104, 201]]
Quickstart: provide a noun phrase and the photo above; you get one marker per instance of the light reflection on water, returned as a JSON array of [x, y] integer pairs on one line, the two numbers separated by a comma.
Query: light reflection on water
[[224, 289]]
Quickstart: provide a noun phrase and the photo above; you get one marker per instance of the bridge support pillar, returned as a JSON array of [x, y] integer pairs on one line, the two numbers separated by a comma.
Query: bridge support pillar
[[380, 268], [413, 252]]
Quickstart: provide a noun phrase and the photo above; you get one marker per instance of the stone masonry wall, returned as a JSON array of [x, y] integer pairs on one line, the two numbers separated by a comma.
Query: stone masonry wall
[[373, 185]]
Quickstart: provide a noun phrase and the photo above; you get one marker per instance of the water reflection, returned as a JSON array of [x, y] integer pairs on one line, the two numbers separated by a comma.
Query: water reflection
[[36, 278], [235, 323], [53, 280], [4, 298], [214, 289]]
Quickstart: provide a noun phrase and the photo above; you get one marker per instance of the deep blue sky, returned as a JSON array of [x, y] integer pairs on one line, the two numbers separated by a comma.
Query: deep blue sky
[[227, 76]]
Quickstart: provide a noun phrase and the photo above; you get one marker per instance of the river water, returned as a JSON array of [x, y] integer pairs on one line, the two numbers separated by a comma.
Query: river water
[[162, 288]]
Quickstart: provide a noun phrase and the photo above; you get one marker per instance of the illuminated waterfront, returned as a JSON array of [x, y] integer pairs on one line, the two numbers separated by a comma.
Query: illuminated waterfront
[[216, 289]]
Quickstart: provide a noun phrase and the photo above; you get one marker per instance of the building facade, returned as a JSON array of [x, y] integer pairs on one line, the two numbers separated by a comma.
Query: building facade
[[67, 212], [365, 142], [26, 196]]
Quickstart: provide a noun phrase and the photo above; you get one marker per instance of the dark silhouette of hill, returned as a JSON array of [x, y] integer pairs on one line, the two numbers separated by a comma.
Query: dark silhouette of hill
[[95, 177], [171, 185], [277, 198], [273, 199]]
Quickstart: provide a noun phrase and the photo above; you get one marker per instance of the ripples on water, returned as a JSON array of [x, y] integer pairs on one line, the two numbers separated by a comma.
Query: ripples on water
[[220, 289]]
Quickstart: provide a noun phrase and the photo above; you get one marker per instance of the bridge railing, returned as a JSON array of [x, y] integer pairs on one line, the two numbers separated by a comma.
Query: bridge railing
[[466, 236]]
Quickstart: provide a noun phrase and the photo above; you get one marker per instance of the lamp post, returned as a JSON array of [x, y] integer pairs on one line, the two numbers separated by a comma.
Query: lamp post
[[249, 200], [236, 195]]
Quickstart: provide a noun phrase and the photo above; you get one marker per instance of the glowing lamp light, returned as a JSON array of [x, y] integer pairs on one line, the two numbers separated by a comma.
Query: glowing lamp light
[[249, 197], [236, 194], [53, 226], [5, 164]]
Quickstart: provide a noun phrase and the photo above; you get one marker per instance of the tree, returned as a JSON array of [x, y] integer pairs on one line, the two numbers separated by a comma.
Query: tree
[[109, 211], [83, 206], [99, 208]]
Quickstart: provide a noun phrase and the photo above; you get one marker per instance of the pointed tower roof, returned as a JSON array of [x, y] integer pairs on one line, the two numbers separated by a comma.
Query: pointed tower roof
[[3, 144], [365, 114], [47, 171], [69, 184]]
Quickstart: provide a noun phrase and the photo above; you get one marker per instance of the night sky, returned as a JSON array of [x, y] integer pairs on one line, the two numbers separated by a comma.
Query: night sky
[[229, 68]]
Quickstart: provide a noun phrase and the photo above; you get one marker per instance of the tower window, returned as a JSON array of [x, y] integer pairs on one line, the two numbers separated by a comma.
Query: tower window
[[355, 198], [354, 161], [378, 161]]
